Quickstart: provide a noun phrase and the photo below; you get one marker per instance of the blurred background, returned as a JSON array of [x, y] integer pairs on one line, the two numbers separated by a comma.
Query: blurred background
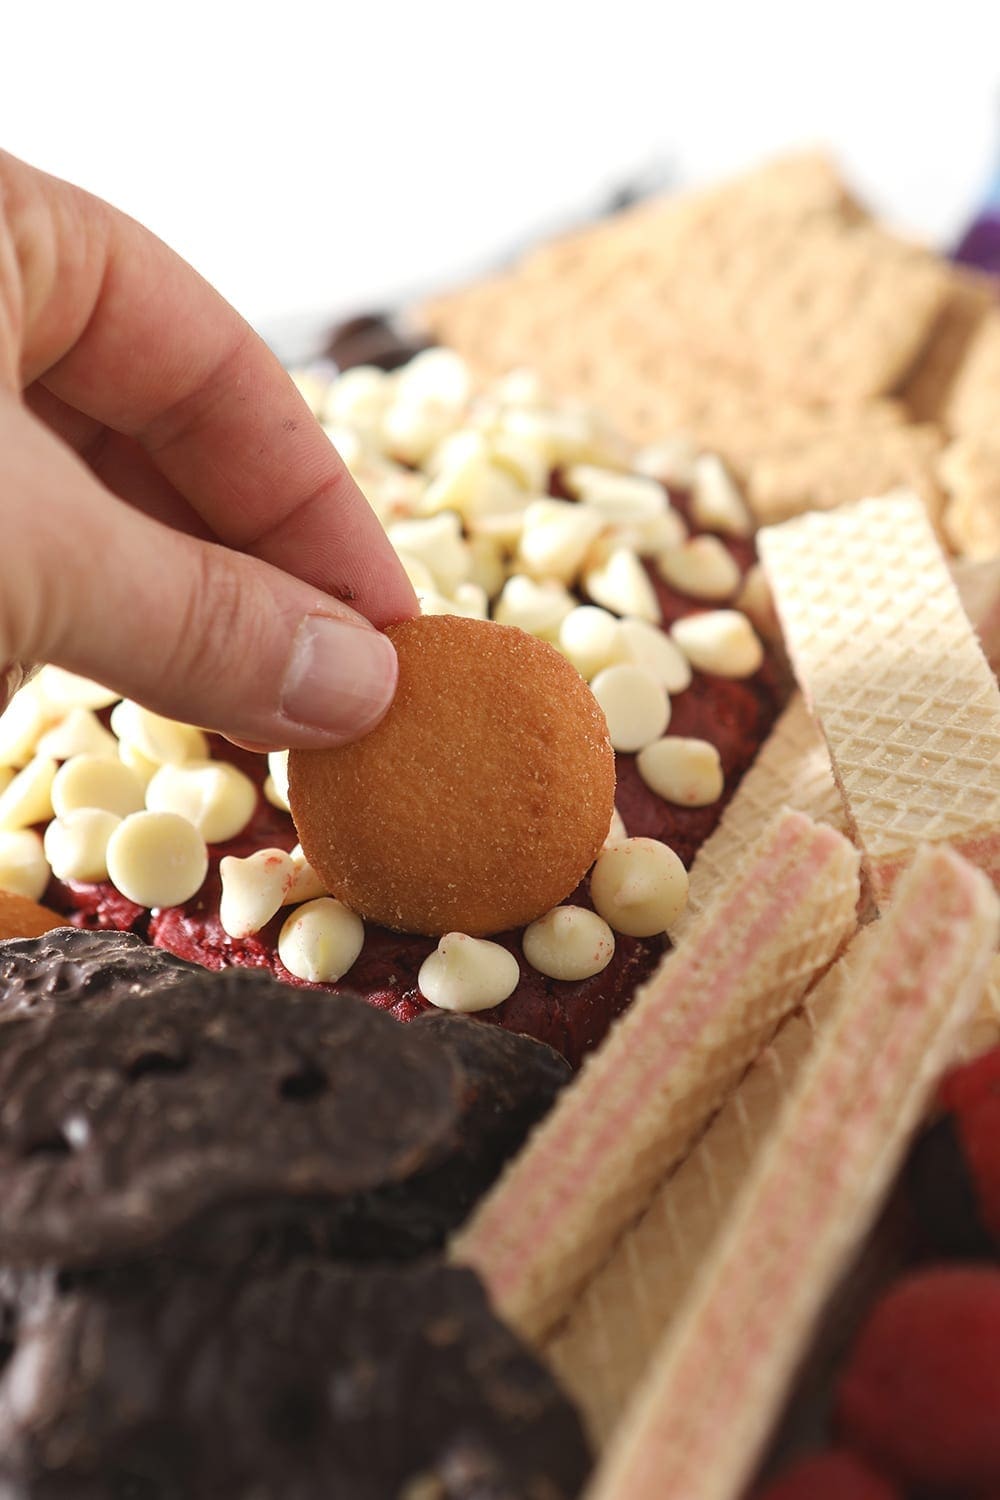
[[313, 159]]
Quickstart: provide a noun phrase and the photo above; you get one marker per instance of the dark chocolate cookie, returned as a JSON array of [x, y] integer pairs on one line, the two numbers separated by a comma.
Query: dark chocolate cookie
[[68, 967], [232, 1116], [305, 1384]]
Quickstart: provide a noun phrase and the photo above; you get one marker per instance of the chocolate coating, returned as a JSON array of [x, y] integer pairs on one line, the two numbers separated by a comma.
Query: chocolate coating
[[230, 1114], [308, 1383], [67, 967]]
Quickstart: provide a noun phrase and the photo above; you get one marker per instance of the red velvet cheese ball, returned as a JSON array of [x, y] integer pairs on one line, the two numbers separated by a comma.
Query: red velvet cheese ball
[[920, 1395], [829, 1476]]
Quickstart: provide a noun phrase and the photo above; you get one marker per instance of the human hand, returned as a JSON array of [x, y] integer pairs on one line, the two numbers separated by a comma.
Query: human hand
[[175, 522]]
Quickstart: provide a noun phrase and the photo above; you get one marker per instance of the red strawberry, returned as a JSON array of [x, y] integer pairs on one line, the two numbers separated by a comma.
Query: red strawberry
[[954, 1171], [829, 1476], [920, 1395]]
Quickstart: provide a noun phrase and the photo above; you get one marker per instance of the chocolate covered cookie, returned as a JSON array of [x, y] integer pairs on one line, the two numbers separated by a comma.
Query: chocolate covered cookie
[[304, 1384], [231, 1113], [69, 967]]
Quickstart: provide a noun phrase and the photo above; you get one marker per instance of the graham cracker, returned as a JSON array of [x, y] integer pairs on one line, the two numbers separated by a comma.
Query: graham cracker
[[970, 473], [811, 1195], [973, 406], [842, 465], [928, 386], [888, 661], [642, 1098]]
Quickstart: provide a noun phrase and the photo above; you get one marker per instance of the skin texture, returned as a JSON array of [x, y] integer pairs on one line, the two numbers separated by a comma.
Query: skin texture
[[172, 512]]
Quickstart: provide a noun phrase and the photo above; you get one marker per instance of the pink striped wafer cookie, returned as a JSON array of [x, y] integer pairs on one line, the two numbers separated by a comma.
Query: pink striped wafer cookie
[[621, 1315], [641, 1099], [891, 666], [810, 1197]]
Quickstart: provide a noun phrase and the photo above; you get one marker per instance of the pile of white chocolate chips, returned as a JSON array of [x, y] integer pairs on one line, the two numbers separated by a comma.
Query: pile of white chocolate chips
[[459, 479]]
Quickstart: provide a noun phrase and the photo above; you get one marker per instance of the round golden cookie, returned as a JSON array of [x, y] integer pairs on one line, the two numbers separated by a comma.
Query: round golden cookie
[[21, 918], [481, 799]]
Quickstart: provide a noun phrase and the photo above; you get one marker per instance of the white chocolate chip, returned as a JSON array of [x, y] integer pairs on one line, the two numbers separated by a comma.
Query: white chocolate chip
[[277, 765], [79, 733], [621, 584], [647, 538], [721, 641], [96, 781], [525, 462], [615, 496], [23, 866], [28, 798], [306, 884], [438, 375], [716, 502], [672, 461], [569, 942], [22, 724], [644, 646], [487, 565], [556, 537], [157, 858], [701, 567], [538, 608], [67, 690], [348, 442], [253, 889], [467, 974], [617, 832], [165, 741], [639, 887], [635, 705], [321, 940], [140, 765], [357, 399], [212, 794], [756, 601], [588, 637], [413, 426], [76, 846], [438, 543], [7, 774], [416, 571], [685, 771]]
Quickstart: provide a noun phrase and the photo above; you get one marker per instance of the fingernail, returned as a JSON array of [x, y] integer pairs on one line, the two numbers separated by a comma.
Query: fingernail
[[340, 677]]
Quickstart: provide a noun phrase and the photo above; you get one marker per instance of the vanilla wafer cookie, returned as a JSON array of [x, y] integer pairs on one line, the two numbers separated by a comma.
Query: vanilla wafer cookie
[[642, 1098], [890, 665], [811, 1195], [615, 1325], [792, 769]]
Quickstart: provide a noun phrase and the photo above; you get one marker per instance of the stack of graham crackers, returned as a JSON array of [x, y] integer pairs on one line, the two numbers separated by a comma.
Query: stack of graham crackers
[[773, 321]]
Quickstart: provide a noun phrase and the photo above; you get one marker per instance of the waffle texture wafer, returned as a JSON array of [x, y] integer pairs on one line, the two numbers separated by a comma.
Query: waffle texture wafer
[[642, 1098], [811, 1195], [614, 1327], [889, 662], [792, 769]]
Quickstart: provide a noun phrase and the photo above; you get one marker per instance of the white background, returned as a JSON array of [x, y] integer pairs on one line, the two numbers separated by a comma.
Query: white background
[[310, 157]]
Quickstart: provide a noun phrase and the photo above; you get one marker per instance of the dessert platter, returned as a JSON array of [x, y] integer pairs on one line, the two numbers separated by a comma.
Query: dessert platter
[[587, 1084]]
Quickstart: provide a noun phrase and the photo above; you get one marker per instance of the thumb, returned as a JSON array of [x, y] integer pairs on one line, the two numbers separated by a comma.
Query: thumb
[[189, 628]]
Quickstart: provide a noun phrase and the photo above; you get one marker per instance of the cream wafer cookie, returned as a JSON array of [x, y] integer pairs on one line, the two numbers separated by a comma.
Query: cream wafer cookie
[[615, 1325], [813, 1192], [642, 1098], [890, 664], [792, 769]]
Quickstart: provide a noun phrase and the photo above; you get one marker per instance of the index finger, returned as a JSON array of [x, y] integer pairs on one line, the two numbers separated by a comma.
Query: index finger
[[118, 326]]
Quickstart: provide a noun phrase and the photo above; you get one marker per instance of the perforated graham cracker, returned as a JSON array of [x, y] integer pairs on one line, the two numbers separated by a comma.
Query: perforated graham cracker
[[890, 665], [929, 384], [973, 407], [842, 465], [618, 1321], [970, 472], [642, 1098], [811, 1195]]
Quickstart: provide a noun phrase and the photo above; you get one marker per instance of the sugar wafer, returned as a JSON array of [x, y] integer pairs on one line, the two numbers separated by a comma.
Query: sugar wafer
[[810, 1196], [615, 1325], [889, 662], [642, 1098]]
